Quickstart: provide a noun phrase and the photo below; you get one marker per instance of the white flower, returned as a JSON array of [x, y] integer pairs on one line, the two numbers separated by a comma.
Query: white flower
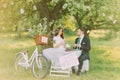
[[45, 19], [4, 5], [72, 18], [88, 31], [67, 45], [51, 23], [65, 5], [103, 14], [85, 7], [111, 17], [34, 7], [12, 3], [114, 21], [40, 25], [22, 11]]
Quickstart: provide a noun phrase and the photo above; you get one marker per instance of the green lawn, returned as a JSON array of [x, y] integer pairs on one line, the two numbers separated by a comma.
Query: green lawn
[[104, 63]]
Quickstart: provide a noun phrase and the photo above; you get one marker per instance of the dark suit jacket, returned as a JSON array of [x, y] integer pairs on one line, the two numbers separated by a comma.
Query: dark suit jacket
[[85, 47]]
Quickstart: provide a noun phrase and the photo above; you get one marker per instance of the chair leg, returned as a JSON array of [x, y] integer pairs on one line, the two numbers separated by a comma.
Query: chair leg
[[57, 71]]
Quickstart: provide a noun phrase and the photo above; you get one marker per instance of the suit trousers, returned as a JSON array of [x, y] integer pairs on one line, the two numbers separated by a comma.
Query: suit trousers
[[80, 65]]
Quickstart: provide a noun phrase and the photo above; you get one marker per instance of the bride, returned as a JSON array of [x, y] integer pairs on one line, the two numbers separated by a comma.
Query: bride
[[58, 50]]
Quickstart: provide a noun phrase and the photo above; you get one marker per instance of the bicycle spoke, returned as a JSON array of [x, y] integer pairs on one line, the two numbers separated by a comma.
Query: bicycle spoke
[[40, 67], [19, 59]]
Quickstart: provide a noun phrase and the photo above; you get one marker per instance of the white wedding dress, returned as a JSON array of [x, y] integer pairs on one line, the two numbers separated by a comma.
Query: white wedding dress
[[53, 54]]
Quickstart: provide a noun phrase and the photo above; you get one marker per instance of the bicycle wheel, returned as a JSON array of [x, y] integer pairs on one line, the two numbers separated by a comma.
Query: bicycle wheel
[[40, 67], [19, 59]]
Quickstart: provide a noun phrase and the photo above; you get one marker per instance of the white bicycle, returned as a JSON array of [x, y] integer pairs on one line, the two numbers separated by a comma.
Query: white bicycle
[[37, 62]]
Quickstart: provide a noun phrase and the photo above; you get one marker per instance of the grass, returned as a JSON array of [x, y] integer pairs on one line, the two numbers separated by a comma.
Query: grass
[[104, 63]]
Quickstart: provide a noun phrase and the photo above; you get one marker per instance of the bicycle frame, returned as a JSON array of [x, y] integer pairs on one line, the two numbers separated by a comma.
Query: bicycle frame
[[28, 62], [34, 56], [37, 63]]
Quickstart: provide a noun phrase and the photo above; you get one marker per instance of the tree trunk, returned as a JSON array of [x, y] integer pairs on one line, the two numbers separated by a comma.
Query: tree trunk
[[50, 14]]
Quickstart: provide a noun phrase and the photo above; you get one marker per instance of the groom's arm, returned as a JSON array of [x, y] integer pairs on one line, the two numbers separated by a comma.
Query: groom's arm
[[75, 47], [85, 45]]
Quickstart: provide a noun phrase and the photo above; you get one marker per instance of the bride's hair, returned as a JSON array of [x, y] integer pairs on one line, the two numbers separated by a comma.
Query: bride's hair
[[57, 31]]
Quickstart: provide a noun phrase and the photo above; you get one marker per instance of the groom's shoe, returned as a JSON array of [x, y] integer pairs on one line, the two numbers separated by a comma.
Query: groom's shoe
[[78, 73], [73, 70], [85, 72]]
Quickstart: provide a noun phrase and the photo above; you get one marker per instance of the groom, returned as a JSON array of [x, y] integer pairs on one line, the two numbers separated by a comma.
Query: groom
[[82, 43]]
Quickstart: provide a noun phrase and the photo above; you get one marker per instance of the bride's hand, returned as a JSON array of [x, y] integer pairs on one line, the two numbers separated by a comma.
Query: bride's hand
[[64, 42]]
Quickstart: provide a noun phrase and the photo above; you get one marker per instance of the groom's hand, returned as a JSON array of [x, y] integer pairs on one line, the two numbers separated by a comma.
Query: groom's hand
[[79, 45]]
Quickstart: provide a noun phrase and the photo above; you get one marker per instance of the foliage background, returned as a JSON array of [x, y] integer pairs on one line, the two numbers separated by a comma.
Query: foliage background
[[101, 17], [20, 16]]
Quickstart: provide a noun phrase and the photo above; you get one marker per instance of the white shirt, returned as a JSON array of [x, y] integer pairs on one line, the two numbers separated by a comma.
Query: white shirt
[[57, 40], [81, 38]]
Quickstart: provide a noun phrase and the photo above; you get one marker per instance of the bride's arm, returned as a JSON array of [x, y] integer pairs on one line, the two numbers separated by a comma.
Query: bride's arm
[[58, 45]]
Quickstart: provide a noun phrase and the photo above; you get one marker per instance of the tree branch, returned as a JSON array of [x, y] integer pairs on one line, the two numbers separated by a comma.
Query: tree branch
[[43, 9], [56, 11]]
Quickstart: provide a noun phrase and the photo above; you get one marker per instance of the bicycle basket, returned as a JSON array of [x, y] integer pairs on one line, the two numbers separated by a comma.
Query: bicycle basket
[[41, 40]]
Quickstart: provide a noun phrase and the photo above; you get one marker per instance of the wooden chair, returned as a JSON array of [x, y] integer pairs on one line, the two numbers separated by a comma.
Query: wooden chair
[[57, 71], [66, 62]]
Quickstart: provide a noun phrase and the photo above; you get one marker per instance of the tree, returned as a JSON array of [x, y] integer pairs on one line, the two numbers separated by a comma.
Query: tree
[[91, 14], [50, 9]]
